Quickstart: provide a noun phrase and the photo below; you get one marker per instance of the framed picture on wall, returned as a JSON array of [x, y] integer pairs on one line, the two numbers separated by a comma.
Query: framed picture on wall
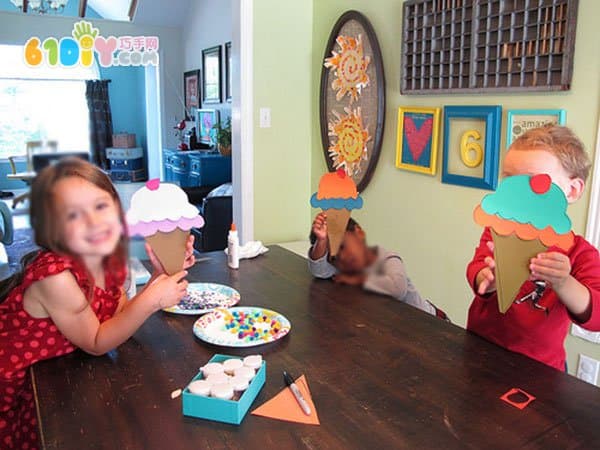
[[211, 75], [205, 121], [228, 78], [352, 98], [191, 89], [417, 140], [521, 120], [471, 146]]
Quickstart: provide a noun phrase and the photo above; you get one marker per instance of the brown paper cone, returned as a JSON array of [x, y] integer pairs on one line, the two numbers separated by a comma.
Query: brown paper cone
[[337, 220], [169, 249], [512, 255]]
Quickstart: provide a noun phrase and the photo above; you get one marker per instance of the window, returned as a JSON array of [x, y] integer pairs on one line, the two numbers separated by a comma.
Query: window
[[40, 104]]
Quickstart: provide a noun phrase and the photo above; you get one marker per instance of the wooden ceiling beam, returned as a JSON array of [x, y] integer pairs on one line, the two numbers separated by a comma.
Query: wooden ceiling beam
[[82, 7], [132, 9]]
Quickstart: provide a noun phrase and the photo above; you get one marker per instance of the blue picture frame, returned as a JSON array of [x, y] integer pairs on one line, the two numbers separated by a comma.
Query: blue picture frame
[[536, 118], [492, 115]]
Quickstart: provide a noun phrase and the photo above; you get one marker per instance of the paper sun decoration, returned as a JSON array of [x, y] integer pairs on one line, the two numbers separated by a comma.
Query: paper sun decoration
[[350, 146], [349, 66]]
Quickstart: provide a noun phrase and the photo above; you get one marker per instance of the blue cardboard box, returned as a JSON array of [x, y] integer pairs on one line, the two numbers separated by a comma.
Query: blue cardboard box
[[228, 411]]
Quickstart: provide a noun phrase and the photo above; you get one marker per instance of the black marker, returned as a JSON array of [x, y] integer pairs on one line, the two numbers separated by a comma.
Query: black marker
[[289, 381]]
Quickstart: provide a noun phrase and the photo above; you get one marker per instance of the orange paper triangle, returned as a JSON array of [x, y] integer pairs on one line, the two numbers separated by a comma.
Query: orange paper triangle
[[285, 407]]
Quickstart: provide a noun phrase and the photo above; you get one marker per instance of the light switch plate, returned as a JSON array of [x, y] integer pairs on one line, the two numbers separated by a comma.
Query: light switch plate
[[588, 368], [585, 334], [265, 117]]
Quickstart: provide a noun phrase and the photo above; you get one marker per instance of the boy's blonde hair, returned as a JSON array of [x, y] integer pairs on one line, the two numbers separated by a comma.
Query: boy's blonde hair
[[562, 143]]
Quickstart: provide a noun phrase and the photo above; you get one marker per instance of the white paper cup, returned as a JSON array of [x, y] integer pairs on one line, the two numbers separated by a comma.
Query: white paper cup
[[244, 372], [230, 365], [224, 391], [211, 368], [217, 378], [200, 387], [253, 361]]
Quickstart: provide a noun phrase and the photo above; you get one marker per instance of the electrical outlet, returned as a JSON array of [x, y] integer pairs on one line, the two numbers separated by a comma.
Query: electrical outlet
[[585, 334], [588, 368], [265, 117]]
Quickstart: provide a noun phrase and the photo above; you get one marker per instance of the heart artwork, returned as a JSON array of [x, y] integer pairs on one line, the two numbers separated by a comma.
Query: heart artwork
[[417, 138]]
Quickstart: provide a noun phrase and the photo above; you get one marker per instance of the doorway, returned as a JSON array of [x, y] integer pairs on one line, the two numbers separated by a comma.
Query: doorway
[[242, 118]]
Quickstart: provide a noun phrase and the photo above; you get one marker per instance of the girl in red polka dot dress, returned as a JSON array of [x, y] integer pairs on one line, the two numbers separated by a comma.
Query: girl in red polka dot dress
[[70, 293]]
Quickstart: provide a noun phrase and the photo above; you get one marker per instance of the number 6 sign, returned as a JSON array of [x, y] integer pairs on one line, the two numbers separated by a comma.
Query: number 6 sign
[[471, 152], [471, 146]]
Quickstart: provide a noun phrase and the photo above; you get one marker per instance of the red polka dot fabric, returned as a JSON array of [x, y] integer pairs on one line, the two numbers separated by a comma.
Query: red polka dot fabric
[[26, 340]]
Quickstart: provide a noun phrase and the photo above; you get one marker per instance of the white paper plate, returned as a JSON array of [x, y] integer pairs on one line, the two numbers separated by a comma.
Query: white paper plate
[[241, 327]]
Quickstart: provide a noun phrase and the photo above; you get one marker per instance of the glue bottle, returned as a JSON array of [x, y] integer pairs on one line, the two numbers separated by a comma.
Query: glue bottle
[[233, 248]]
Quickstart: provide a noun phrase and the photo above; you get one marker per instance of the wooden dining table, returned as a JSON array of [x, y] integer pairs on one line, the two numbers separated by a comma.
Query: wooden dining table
[[382, 375]]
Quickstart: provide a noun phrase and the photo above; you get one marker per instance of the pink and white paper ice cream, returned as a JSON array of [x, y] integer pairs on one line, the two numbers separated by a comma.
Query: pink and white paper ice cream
[[162, 214]]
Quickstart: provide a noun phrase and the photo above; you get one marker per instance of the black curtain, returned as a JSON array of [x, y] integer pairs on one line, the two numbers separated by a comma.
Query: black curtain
[[101, 129]]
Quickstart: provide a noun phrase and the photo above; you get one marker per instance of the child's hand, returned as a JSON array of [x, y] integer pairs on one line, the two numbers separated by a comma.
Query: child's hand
[[555, 268], [486, 278], [352, 280], [188, 262], [167, 290], [319, 226], [190, 259], [552, 267], [156, 264]]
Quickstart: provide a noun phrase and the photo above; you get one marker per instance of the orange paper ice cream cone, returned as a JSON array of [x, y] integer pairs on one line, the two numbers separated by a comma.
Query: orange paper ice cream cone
[[337, 220], [337, 197]]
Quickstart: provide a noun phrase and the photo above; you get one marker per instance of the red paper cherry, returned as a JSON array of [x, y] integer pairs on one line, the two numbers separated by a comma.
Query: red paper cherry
[[541, 183], [153, 184], [341, 173]]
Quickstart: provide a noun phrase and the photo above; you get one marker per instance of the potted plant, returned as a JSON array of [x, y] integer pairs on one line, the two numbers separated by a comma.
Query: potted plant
[[223, 137]]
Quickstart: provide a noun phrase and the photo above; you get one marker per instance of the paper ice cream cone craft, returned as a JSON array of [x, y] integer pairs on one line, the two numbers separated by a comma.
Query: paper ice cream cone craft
[[527, 214], [337, 197], [162, 214]]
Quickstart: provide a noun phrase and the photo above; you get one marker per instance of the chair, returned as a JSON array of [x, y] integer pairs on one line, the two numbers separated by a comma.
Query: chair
[[6, 231], [41, 160], [32, 148], [217, 212]]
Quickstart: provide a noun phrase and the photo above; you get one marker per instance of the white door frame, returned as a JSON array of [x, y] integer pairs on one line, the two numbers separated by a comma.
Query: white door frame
[[242, 159], [592, 231], [155, 111]]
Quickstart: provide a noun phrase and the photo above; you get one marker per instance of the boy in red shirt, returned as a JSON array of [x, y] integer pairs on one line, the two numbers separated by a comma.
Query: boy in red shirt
[[538, 325]]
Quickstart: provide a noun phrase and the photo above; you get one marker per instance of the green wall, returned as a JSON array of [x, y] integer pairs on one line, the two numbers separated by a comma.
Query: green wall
[[282, 81], [427, 222]]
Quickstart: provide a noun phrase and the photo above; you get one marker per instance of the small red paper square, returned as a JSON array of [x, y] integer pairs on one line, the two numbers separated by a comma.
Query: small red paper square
[[520, 403]]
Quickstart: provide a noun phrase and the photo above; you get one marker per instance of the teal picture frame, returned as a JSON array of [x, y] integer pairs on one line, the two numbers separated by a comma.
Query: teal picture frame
[[206, 119], [492, 115], [532, 118]]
